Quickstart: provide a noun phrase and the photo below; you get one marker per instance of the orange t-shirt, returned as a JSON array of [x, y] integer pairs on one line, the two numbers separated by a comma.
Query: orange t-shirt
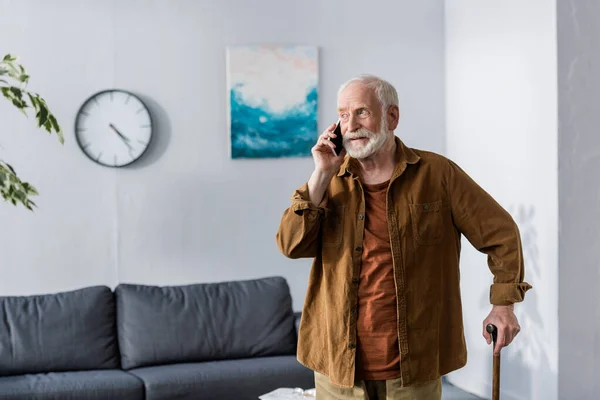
[[378, 355]]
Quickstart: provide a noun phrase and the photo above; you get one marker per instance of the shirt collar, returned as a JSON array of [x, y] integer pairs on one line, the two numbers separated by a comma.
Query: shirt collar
[[404, 155]]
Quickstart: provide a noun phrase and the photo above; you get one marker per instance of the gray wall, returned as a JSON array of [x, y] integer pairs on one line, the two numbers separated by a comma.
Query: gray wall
[[579, 198], [186, 212]]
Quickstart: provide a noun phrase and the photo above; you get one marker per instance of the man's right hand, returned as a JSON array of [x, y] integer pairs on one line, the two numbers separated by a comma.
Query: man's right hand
[[326, 165], [325, 160]]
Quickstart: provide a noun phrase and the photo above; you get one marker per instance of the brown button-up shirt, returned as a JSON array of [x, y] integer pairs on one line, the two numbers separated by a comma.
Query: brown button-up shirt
[[431, 202]]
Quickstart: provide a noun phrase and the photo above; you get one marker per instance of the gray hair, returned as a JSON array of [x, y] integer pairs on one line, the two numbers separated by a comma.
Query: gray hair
[[385, 91]]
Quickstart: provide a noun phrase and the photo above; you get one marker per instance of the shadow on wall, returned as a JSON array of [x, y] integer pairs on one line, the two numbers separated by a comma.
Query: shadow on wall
[[529, 351], [161, 134]]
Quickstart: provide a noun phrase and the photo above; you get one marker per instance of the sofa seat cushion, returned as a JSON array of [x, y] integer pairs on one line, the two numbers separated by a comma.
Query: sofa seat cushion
[[67, 331], [160, 325], [230, 379], [92, 385]]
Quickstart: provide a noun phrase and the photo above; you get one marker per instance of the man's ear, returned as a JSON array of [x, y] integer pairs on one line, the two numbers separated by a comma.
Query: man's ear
[[393, 117]]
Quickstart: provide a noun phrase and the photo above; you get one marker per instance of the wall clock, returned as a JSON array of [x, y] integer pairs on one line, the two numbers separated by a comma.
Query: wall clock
[[113, 128]]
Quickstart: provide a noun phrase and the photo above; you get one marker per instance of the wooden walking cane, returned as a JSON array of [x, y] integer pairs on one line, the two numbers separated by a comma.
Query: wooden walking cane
[[492, 330]]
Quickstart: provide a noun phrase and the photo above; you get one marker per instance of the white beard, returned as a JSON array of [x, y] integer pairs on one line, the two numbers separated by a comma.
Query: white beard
[[376, 141]]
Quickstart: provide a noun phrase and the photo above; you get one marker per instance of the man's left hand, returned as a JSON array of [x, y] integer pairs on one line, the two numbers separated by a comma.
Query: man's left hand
[[503, 317]]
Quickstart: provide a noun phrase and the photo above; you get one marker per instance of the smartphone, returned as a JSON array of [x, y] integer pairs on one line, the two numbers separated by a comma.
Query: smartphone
[[338, 140]]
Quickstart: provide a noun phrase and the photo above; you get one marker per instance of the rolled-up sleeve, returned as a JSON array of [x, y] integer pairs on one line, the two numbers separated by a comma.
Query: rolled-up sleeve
[[299, 230], [491, 230], [508, 293]]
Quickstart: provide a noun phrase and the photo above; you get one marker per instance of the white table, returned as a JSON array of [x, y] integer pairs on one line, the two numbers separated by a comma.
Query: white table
[[289, 394]]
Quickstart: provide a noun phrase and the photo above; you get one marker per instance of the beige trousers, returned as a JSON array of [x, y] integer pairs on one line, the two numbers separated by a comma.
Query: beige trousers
[[377, 390]]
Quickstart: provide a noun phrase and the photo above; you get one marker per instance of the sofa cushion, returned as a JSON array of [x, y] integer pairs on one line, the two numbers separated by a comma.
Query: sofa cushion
[[230, 379], [66, 331], [203, 322], [92, 385]]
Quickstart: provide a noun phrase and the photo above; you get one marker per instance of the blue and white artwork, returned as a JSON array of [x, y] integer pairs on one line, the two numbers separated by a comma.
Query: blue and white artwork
[[273, 93]]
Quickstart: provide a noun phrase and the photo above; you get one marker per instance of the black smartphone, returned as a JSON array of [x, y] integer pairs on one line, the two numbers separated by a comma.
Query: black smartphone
[[338, 140]]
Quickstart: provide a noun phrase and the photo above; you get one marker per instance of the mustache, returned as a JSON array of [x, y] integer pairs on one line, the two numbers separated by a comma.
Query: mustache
[[358, 134]]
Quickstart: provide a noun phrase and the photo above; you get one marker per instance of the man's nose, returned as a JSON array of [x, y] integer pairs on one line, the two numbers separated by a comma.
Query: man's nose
[[353, 124]]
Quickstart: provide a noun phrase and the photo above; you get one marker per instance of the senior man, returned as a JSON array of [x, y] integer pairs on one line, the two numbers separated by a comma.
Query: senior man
[[382, 317]]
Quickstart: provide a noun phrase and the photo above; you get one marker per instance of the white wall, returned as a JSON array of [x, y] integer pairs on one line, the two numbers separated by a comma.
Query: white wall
[[579, 165], [501, 107], [186, 212]]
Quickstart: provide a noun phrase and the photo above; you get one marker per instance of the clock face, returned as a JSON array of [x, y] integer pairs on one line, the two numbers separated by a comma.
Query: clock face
[[113, 128]]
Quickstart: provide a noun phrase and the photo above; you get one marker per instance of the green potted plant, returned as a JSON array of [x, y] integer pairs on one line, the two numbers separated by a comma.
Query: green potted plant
[[13, 85]]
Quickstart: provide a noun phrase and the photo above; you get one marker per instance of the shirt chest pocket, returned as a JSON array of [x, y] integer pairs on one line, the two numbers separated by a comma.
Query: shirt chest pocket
[[332, 226], [427, 222]]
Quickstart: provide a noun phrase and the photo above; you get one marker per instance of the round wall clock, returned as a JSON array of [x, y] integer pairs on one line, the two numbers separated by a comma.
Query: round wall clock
[[113, 128]]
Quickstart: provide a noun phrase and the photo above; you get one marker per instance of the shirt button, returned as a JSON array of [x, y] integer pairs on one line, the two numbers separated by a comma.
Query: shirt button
[[353, 311], [361, 217], [354, 280], [358, 248], [351, 346], [425, 207]]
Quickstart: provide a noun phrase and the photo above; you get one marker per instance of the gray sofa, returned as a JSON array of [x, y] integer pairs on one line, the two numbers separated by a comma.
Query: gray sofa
[[229, 340]]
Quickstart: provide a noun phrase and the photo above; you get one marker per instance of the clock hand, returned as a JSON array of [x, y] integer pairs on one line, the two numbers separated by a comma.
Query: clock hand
[[114, 128], [123, 137]]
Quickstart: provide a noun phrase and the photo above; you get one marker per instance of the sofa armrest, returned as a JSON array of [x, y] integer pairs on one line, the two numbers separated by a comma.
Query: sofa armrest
[[297, 317]]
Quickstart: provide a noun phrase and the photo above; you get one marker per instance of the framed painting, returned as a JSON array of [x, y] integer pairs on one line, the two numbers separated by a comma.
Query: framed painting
[[273, 99]]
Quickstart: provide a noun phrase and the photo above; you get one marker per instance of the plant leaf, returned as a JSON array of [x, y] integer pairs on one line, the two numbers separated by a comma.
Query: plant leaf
[[13, 189], [10, 168], [42, 116], [34, 102]]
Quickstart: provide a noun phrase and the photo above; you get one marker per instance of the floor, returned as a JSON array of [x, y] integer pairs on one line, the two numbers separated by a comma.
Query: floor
[[450, 392]]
